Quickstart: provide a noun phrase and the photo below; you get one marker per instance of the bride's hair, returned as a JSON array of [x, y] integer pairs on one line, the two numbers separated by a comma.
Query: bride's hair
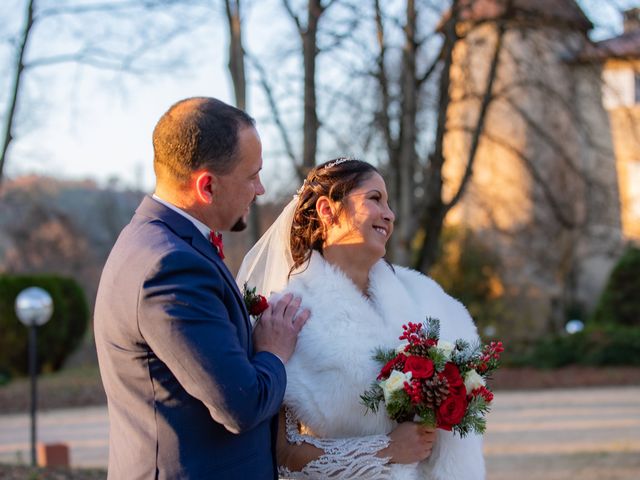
[[333, 179]]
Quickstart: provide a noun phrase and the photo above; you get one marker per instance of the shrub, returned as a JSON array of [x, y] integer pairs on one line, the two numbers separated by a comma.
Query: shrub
[[620, 300], [597, 345], [57, 338], [468, 269]]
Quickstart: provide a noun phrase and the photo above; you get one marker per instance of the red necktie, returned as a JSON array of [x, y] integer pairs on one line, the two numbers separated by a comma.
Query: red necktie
[[216, 241]]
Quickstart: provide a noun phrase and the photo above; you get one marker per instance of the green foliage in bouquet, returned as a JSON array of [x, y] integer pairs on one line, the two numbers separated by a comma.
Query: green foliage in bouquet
[[475, 420], [433, 382], [619, 303], [372, 397], [382, 355], [57, 339], [400, 408]]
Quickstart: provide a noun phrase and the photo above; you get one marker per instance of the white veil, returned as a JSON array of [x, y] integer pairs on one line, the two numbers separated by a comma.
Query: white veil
[[266, 266]]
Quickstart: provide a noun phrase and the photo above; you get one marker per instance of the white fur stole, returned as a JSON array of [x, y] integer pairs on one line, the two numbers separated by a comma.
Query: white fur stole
[[332, 364]]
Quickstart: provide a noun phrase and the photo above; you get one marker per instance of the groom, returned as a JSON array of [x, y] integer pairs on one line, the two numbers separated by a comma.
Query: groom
[[192, 392]]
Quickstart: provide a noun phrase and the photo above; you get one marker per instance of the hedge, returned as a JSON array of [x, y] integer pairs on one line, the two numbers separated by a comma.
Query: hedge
[[620, 300], [57, 339], [596, 345]]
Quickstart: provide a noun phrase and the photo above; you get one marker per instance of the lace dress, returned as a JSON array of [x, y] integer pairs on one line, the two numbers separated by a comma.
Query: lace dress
[[344, 458]]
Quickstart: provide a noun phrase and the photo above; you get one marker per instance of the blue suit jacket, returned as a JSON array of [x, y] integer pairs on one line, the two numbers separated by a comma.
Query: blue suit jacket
[[187, 396]]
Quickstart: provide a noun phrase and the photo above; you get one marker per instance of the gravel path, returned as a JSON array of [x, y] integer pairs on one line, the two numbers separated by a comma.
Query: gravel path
[[585, 433]]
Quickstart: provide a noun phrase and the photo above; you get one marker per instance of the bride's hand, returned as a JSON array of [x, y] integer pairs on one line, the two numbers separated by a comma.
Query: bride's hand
[[410, 443]]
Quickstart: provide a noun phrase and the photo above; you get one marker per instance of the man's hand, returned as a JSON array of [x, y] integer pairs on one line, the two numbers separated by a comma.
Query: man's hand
[[278, 327]]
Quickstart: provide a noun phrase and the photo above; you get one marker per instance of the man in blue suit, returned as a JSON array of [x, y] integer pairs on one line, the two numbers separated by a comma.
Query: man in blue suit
[[192, 391]]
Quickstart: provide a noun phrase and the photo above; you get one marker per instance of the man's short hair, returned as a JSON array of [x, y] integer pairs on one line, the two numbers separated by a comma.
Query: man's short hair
[[197, 133]]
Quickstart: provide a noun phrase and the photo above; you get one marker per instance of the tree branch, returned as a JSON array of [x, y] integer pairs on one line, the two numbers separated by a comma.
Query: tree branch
[[13, 99], [484, 108], [548, 194], [294, 17], [273, 105]]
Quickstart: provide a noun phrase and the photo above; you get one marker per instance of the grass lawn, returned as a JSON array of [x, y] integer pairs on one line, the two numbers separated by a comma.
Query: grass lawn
[[71, 387], [21, 472]]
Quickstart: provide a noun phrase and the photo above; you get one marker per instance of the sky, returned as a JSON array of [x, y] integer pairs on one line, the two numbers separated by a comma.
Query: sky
[[79, 122]]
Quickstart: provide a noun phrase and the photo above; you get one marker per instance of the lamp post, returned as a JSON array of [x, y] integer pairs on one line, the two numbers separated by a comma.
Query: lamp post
[[34, 308], [574, 326]]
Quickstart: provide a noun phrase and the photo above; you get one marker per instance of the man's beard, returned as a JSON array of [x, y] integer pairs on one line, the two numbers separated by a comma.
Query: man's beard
[[239, 226], [241, 223]]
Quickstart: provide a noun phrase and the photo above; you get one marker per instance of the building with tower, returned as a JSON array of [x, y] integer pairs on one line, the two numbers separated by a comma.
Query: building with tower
[[556, 177]]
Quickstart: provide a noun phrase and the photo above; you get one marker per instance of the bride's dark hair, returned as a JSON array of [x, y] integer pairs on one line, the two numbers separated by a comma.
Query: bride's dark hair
[[333, 179]]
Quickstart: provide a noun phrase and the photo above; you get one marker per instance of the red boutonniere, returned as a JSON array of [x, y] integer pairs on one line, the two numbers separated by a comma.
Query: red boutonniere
[[255, 303]]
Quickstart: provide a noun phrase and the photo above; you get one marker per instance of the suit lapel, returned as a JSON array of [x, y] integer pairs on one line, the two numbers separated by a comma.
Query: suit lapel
[[204, 246], [187, 231]]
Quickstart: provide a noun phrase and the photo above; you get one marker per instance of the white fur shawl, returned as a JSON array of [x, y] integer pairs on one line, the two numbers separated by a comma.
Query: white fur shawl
[[332, 364]]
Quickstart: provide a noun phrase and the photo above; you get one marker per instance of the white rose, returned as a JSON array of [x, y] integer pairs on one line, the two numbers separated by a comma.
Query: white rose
[[393, 383], [446, 348], [401, 347], [473, 380]]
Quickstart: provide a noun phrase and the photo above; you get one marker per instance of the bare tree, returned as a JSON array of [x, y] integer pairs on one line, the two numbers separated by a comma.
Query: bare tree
[[236, 52], [309, 37], [90, 49], [18, 69], [237, 62], [416, 178], [307, 25], [434, 208], [68, 227]]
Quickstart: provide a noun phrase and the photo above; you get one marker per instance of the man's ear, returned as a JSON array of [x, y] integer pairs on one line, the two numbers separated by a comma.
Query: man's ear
[[325, 208], [205, 185]]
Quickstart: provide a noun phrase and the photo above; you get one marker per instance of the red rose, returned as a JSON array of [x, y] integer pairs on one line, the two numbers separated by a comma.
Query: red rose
[[391, 365], [258, 306], [419, 367], [386, 370], [451, 411], [454, 379]]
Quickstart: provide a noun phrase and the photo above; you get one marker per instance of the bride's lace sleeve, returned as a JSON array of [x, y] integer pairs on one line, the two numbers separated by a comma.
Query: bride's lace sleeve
[[339, 458]]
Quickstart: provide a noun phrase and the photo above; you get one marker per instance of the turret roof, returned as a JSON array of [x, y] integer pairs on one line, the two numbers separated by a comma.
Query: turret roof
[[566, 12], [625, 46]]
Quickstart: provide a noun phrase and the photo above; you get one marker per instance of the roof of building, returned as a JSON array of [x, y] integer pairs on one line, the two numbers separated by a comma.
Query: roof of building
[[566, 12], [624, 47]]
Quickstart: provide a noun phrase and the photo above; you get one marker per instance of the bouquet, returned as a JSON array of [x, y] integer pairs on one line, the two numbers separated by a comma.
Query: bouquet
[[255, 303], [435, 382]]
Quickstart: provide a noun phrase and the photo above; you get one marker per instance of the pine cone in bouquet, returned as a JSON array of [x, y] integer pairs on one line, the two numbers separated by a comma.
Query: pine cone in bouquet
[[435, 391], [433, 381]]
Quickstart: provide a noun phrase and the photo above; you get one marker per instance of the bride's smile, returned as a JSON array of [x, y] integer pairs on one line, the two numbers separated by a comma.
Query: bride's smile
[[365, 219], [327, 248]]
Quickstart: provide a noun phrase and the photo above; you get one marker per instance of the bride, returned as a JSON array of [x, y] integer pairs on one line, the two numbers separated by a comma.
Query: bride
[[327, 247]]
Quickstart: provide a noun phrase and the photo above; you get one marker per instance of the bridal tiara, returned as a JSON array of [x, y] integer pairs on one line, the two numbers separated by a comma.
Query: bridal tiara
[[338, 161], [301, 189]]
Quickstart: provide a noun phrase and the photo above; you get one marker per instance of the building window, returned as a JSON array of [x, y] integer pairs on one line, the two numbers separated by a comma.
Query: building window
[[620, 88]]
